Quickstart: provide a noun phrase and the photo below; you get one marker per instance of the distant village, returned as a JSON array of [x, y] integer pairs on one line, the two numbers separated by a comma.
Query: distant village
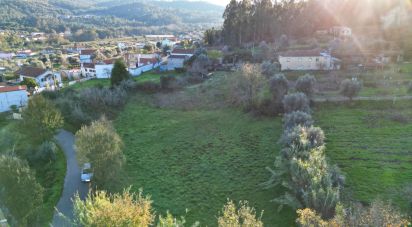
[[85, 61]]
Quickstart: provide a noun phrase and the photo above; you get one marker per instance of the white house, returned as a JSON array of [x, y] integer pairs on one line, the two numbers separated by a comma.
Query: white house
[[88, 69], [86, 56], [12, 95], [308, 60], [43, 77]]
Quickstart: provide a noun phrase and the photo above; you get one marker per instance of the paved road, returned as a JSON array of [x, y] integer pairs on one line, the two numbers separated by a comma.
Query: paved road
[[72, 183]]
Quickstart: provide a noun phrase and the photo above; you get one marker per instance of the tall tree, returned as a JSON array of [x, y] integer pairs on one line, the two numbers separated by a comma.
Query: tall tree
[[100, 145], [41, 119], [119, 73], [20, 193]]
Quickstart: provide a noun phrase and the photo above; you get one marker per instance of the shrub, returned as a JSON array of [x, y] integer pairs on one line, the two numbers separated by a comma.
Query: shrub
[[278, 86], [246, 87], [101, 99], [243, 216], [149, 87], [297, 118], [104, 209], [269, 69], [296, 102], [303, 137], [306, 84], [46, 152], [350, 88], [180, 70]]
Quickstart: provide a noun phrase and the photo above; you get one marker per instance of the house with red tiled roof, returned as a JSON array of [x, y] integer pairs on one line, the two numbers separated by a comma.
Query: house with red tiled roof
[[308, 60], [12, 96], [43, 77]]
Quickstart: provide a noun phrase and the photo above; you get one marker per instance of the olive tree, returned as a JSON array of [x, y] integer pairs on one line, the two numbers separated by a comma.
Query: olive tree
[[269, 69], [20, 194], [103, 209], [297, 118], [306, 84], [278, 86], [100, 145], [350, 88], [296, 102]]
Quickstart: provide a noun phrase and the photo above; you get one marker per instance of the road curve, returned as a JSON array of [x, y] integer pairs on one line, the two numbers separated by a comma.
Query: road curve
[[72, 183]]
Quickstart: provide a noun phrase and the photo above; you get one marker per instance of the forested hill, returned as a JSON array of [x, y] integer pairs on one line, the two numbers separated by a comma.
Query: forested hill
[[126, 17]]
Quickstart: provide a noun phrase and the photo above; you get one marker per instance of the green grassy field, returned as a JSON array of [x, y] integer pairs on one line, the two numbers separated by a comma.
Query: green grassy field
[[196, 160], [372, 146]]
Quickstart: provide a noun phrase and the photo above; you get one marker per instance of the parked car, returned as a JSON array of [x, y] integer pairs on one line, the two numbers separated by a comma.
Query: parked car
[[87, 174]]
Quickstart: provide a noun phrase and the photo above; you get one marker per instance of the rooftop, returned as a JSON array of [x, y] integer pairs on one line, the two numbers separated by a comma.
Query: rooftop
[[13, 88], [87, 52], [300, 53], [30, 71], [183, 51]]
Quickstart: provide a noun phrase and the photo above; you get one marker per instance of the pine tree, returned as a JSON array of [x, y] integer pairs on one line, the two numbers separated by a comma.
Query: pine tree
[[119, 73]]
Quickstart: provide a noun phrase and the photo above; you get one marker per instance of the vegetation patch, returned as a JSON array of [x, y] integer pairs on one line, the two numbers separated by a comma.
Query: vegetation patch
[[196, 160], [374, 154]]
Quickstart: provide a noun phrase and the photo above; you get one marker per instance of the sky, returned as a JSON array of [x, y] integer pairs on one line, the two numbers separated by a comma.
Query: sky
[[218, 2]]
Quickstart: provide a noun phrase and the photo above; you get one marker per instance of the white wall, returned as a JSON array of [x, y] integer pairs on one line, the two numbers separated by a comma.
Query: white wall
[[174, 63], [305, 63], [103, 71], [8, 99], [140, 70]]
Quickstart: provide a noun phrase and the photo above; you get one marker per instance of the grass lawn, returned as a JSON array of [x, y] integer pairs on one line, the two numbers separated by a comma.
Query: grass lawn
[[406, 68], [145, 77], [195, 160], [372, 149]]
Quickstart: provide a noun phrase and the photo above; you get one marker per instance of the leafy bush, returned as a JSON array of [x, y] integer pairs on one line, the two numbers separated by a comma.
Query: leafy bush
[[100, 99], [306, 84], [243, 216], [148, 87], [46, 152], [297, 118], [278, 86], [296, 102], [350, 88], [303, 137], [180, 70]]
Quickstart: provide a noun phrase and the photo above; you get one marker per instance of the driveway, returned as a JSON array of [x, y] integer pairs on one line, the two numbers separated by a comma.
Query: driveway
[[72, 183]]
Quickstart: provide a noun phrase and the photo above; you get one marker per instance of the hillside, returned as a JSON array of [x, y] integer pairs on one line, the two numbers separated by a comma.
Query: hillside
[[129, 17]]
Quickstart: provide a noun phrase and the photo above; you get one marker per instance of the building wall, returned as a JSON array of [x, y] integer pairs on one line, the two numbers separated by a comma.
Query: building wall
[[86, 59], [103, 71], [305, 63], [140, 70], [8, 99], [175, 63]]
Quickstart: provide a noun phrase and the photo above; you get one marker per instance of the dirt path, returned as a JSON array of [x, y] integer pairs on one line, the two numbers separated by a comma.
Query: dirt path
[[72, 183], [376, 98]]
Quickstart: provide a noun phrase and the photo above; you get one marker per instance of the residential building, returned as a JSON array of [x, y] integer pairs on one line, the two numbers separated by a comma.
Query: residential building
[[88, 69], [87, 55], [12, 96], [104, 71], [308, 60], [176, 61], [183, 52], [43, 77]]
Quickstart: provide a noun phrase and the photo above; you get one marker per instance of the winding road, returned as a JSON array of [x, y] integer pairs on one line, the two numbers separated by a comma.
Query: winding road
[[72, 183]]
